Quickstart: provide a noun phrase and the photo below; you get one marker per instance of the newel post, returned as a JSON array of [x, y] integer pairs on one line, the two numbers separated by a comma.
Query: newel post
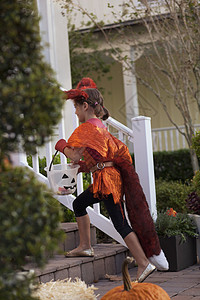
[[143, 154]]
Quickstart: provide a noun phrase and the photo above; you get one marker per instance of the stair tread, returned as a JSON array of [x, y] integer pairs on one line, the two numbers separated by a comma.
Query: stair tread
[[59, 262], [108, 259], [70, 226]]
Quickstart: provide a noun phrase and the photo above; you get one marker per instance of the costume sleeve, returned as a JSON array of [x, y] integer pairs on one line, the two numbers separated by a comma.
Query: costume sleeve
[[88, 135], [78, 138], [83, 167]]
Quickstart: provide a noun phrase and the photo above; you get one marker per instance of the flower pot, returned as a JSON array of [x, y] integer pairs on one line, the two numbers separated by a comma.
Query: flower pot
[[180, 255], [196, 219]]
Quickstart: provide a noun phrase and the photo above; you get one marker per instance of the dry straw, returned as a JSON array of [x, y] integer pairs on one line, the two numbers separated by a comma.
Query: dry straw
[[66, 290]]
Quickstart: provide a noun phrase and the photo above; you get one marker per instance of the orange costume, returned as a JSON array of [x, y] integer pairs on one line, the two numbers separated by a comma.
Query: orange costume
[[118, 180]]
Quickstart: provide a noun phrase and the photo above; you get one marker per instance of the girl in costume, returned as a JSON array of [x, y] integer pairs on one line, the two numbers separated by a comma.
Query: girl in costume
[[113, 176]]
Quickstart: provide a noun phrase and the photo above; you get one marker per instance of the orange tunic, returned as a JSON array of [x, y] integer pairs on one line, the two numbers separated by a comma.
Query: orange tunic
[[117, 180], [106, 181]]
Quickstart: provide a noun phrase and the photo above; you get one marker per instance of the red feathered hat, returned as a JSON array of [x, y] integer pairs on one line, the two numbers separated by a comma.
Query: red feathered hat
[[76, 93], [86, 83]]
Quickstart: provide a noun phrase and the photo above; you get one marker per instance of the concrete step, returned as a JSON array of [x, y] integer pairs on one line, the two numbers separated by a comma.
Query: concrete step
[[108, 259], [72, 236]]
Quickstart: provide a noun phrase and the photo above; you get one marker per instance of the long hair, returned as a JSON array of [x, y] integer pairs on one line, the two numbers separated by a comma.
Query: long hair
[[93, 97]]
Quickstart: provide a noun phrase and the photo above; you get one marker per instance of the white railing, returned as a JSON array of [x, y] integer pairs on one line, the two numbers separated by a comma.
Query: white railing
[[123, 132], [140, 137], [144, 167], [169, 138]]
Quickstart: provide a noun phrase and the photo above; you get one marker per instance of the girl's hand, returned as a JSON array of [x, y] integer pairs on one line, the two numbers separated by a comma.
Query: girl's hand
[[73, 153], [61, 145]]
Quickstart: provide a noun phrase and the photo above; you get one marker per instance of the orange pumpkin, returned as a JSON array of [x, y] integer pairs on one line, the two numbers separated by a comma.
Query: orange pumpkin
[[133, 290]]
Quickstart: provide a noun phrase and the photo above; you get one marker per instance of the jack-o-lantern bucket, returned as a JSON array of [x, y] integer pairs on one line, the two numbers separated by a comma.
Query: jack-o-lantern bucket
[[62, 177]]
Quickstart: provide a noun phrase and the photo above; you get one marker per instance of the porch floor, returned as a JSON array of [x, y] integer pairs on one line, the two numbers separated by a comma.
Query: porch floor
[[182, 285]]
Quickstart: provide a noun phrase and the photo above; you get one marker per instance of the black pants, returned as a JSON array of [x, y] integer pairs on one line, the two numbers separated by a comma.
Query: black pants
[[119, 220]]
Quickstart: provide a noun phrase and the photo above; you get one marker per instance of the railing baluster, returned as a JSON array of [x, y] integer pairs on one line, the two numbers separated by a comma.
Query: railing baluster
[[35, 161], [183, 141], [62, 136], [96, 207], [180, 139], [172, 140], [79, 183], [48, 153], [155, 145], [177, 139], [120, 135], [160, 140], [166, 141]]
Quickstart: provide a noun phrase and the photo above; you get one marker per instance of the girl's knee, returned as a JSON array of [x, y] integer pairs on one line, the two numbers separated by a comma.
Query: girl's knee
[[74, 205], [123, 230], [79, 211]]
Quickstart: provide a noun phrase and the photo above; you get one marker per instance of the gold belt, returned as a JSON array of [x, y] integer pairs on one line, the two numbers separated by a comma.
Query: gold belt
[[101, 166]]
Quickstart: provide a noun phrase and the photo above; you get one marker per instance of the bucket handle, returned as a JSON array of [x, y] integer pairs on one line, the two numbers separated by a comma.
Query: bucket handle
[[52, 160]]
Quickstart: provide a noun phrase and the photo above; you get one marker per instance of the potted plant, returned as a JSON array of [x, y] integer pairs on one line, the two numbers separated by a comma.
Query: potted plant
[[177, 233]]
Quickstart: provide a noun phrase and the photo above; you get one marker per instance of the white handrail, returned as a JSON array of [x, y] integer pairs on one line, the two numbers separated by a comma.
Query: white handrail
[[196, 126], [120, 127]]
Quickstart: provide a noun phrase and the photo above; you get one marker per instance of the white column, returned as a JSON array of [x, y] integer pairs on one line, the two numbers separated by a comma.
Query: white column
[[143, 153], [53, 28], [130, 88]]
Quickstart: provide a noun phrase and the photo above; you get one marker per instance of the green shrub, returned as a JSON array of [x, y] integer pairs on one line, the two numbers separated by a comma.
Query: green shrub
[[196, 143], [30, 218], [30, 107], [31, 100], [43, 163], [17, 286], [171, 225], [172, 165], [86, 180], [38, 212], [68, 215], [172, 194], [196, 182], [193, 199]]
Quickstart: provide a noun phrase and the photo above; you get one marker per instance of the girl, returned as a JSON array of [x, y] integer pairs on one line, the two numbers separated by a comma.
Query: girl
[[113, 175]]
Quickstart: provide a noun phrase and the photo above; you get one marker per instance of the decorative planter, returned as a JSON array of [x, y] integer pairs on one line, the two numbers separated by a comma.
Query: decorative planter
[[180, 255], [196, 219]]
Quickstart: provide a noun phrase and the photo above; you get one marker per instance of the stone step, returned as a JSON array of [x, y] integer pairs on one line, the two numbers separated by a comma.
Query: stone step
[[72, 236], [108, 259]]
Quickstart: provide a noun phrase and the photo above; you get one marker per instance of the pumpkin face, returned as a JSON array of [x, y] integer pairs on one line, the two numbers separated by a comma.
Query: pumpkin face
[[67, 184], [139, 291], [63, 178]]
